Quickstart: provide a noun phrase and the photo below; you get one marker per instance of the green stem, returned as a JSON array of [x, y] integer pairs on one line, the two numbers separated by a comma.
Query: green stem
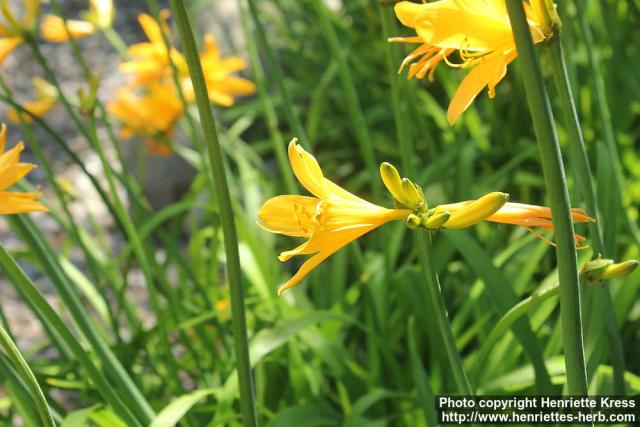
[[239, 324], [601, 301], [116, 41], [27, 376], [289, 109], [439, 310], [553, 170]]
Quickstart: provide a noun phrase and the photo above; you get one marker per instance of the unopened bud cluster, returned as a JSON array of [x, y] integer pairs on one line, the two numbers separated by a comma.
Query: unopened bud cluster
[[600, 270], [408, 195]]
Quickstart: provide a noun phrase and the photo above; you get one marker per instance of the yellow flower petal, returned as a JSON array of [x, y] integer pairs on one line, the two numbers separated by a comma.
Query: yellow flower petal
[[15, 203], [7, 45], [53, 29], [11, 171], [331, 248], [289, 215], [487, 73]]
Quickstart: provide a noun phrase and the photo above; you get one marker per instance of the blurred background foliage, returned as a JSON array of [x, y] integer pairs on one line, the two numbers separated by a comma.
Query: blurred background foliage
[[352, 345]]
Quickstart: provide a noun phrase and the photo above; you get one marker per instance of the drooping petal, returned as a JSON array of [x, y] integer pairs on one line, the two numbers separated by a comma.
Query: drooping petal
[[331, 247], [489, 72]]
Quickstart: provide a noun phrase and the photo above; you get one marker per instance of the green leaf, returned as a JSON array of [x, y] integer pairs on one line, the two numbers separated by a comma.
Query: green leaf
[[174, 411]]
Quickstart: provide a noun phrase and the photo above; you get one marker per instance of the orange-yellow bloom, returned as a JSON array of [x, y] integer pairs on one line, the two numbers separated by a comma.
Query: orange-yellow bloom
[[12, 32], [99, 16], [150, 60], [150, 114], [221, 84], [330, 220], [46, 97], [478, 30], [150, 63], [11, 171], [531, 217]]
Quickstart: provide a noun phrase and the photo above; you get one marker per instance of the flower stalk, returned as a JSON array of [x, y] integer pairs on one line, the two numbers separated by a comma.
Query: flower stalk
[[553, 170], [437, 306], [601, 304], [238, 320]]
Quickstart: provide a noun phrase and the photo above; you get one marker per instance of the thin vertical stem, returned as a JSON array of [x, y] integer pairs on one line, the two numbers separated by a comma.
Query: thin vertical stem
[[238, 320], [28, 377], [601, 301], [553, 170], [437, 306]]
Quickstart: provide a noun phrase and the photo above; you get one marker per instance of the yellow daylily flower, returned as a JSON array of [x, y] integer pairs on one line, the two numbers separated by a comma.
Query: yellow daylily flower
[[11, 171], [478, 30], [46, 98], [330, 220], [12, 32], [99, 16], [150, 113], [221, 84], [150, 60], [531, 217]]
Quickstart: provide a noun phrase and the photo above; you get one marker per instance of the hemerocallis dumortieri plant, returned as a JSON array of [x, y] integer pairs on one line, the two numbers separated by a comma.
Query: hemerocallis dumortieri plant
[[46, 98], [11, 171], [149, 112], [12, 31], [330, 220], [477, 31]]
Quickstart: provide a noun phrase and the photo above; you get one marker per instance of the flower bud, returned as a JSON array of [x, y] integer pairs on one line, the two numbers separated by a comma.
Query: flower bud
[[413, 221], [547, 15], [412, 195], [605, 269], [404, 192], [619, 270], [477, 210], [436, 220]]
